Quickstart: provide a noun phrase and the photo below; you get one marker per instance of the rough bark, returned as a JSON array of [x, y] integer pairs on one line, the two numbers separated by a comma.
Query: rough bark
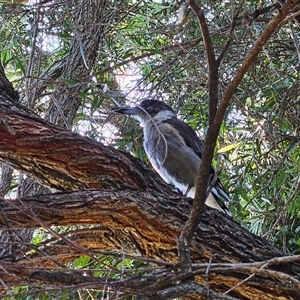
[[65, 160], [152, 224], [90, 21]]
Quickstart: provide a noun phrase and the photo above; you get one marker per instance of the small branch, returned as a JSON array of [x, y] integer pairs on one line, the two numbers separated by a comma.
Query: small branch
[[199, 200], [239, 284], [294, 37], [211, 60], [258, 12], [190, 289], [265, 273], [231, 31], [284, 210], [266, 263]]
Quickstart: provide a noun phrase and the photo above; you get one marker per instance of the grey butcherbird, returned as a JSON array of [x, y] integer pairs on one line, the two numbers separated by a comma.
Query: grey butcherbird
[[174, 149]]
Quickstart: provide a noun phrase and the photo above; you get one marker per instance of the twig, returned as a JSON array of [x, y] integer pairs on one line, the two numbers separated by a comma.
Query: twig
[[239, 283], [294, 37], [231, 31], [144, 55], [283, 211]]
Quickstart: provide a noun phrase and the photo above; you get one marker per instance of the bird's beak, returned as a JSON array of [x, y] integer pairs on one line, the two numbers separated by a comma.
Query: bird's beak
[[127, 110]]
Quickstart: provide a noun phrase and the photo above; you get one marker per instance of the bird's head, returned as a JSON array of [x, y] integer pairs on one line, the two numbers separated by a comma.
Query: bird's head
[[146, 110]]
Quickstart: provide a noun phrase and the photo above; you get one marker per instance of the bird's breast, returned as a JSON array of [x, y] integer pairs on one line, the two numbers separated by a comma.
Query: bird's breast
[[170, 156]]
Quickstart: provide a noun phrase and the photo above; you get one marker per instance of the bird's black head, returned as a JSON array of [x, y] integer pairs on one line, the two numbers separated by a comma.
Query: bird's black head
[[153, 107], [147, 108]]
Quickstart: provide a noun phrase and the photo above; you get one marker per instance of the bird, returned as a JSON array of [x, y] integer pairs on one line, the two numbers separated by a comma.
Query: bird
[[174, 149]]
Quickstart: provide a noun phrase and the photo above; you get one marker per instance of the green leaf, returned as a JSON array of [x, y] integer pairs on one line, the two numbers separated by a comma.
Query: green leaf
[[228, 148]]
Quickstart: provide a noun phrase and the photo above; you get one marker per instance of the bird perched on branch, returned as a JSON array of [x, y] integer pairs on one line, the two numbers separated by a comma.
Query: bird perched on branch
[[174, 149]]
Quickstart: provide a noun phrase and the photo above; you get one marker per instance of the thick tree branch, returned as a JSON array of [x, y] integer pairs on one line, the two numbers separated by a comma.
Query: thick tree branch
[[64, 160], [159, 216], [151, 223], [132, 212]]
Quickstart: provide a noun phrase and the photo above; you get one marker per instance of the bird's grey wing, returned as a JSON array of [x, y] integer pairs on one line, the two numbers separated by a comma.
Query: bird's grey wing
[[188, 134], [192, 140]]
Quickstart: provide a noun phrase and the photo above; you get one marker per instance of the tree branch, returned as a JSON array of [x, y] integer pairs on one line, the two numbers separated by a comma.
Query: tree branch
[[199, 200], [151, 223], [58, 158]]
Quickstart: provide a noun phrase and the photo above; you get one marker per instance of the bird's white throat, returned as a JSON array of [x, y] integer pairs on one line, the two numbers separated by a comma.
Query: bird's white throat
[[158, 118]]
